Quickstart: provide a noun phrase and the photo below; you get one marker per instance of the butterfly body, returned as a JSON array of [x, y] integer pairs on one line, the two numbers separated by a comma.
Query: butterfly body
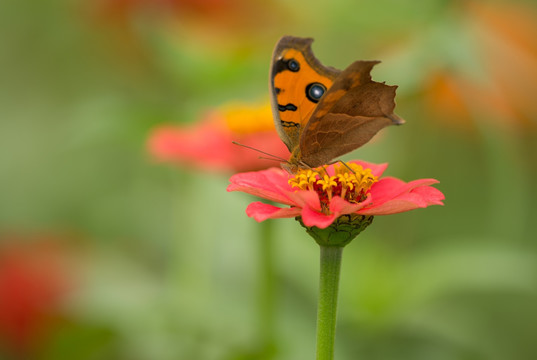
[[320, 112]]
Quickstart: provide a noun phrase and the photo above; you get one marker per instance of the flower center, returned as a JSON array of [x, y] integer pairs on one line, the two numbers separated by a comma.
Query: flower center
[[350, 182], [247, 119]]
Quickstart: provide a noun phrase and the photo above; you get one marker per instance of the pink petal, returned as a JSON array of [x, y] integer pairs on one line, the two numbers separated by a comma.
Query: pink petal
[[311, 209], [261, 211], [432, 195], [306, 198], [311, 217], [388, 188], [271, 184], [340, 206], [390, 196]]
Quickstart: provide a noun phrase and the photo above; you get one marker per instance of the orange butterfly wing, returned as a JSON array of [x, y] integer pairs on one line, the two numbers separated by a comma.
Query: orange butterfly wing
[[294, 67], [320, 112]]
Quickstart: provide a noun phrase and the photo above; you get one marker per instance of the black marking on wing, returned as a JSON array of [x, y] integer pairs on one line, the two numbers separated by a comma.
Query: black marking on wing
[[279, 66], [290, 124], [289, 107], [277, 90]]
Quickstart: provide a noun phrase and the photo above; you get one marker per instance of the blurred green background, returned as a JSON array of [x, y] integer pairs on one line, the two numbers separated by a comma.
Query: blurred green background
[[162, 263]]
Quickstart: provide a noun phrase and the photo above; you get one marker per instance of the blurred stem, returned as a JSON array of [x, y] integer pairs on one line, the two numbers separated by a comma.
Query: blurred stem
[[266, 290], [503, 155], [330, 269]]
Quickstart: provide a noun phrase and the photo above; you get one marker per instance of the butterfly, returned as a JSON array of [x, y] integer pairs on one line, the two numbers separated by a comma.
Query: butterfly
[[320, 112]]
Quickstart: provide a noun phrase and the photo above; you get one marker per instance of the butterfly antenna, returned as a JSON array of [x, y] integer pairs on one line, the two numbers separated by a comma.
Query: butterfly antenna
[[268, 158], [347, 166], [344, 164], [272, 157]]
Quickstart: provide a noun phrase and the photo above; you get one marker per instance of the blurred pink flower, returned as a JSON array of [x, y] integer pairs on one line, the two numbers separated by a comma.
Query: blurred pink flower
[[322, 195], [208, 144], [33, 284]]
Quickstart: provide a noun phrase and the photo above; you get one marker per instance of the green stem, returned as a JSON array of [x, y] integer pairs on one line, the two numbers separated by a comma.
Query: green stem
[[327, 305]]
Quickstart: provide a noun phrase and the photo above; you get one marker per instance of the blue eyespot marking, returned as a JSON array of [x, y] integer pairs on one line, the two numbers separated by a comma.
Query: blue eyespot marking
[[293, 65], [315, 91]]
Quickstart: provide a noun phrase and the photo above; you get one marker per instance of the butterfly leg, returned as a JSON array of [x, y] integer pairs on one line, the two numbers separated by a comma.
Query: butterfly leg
[[343, 163]]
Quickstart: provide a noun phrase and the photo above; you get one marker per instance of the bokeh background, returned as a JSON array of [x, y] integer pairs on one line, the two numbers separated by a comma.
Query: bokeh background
[[107, 253]]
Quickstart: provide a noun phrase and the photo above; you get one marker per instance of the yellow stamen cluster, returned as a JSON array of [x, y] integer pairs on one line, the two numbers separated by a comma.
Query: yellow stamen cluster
[[349, 181], [247, 119], [304, 179]]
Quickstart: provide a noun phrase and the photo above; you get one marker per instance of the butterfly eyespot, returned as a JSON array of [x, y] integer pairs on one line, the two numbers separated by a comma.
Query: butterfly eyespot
[[315, 91], [293, 65]]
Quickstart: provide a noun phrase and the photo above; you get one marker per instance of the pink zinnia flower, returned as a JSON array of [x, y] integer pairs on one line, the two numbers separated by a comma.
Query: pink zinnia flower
[[208, 144], [320, 196]]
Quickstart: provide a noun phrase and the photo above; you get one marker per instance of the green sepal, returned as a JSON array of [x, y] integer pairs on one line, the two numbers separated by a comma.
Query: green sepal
[[342, 231]]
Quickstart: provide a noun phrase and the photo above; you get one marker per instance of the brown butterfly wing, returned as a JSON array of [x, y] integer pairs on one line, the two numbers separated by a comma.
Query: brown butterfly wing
[[290, 107], [351, 112]]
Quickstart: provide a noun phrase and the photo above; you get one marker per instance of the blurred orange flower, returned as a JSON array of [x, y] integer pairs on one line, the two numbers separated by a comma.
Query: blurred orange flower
[[33, 284], [504, 39], [208, 144]]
